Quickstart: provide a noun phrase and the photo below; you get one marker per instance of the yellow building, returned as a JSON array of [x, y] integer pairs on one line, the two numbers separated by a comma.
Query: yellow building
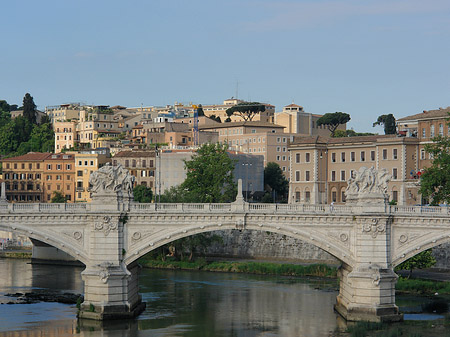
[[320, 167], [86, 162]]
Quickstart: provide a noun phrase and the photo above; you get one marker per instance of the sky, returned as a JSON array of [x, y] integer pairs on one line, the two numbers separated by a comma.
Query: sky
[[365, 58]]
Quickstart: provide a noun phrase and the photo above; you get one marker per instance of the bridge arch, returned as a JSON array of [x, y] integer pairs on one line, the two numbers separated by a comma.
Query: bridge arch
[[316, 238], [51, 238]]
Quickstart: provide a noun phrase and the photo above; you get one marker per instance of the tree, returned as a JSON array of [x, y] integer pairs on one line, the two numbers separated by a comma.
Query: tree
[[422, 260], [209, 176], [29, 108], [388, 121], [58, 198], [246, 110], [435, 181], [142, 194], [350, 133], [333, 120], [200, 111], [274, 180]]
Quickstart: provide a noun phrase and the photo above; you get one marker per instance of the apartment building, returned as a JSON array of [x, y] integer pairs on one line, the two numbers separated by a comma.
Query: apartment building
[[256, 138], [24, 177], [64, 112], [65, 135], [59, 176], [219, 110], [141, 164], [320, 167], [87, 162], [296, 120]]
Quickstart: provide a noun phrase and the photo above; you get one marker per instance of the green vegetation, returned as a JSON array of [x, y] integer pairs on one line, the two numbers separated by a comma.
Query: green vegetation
[[209, 178], [58, 198], [418, 286], [422, 260], [350, 133], [22, 134], [142, 194], [275, 183], [333, 120], [388, 121], [263, 268], [246, 110], [435, 181]]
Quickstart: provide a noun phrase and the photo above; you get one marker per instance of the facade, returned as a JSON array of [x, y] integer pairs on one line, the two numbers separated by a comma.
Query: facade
[[296, 120], [24, 177], [87, 162], [141, 165], [59, 176], [321, 167], [64, 112], [256, 138], [65, 135]]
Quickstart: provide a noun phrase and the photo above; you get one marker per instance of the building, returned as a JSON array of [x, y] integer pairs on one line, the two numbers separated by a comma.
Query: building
[[24, 177], [64, 112], [141, 165], [256, 138], [219, 110], [320, 167], [86, 162], [59, 176], [65, 135], [296, 120]]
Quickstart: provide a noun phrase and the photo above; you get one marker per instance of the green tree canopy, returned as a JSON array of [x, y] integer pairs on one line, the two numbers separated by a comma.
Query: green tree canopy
[[422, 260], [209, 176], [350, 133], [200, 111], [29, 108], [333, 120], [435, 180], [142, 194], [58, 198], [388, 121], [274, 180], [246, 110]]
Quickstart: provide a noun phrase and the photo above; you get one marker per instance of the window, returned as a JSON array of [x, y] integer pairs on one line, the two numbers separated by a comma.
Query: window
[[144, 163], [297, 175], [79, 173], [307, 196], [384, 154], [422, 154], [297, 157], [441, 129], [342, 175], [333, 175], [80, 163], [278, 149], [133, 163], [278, 139], [49, 166], [394, 154], [363, 156], [352, 156], [92, 163], [58, 177], [58, 166], [127, 163], [372, 155], [334, 196], [284, 158], [395, 195], [307, 157], [432, 131], [49, 177], [23, 166], [343, 196], [30, 166], [394, 173], [424, 133], [307, 175], [297, 196], [333, 157], [343, 157], [68, 167]]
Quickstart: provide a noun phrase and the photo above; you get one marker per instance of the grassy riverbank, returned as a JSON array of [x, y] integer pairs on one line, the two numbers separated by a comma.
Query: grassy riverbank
[[262, 268], [15, 254], [420, 286]]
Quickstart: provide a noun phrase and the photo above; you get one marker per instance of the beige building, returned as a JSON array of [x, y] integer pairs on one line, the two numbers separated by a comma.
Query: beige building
[[320, 167], [256, 138], [86, 162], [219, 110], [65, 135], [296, 120], [64, 112], [141, 165]]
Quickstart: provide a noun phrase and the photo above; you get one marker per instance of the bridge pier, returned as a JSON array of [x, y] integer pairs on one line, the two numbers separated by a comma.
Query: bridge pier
[[111, 292]]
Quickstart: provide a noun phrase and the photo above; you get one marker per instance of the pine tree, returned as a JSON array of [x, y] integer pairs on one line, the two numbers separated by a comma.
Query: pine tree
[[29, 108]]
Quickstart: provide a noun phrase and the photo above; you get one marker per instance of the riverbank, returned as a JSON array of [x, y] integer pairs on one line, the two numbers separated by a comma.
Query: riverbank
[[428, 285], [16, 254], [248, 267]]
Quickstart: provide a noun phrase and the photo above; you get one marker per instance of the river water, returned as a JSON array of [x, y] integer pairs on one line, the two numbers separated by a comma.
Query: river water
[[179, 303]]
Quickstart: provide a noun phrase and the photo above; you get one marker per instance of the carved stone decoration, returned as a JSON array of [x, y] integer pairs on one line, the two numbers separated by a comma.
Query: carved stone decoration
[[368, 186], [77, 235], [104, 273], [111, 180], [374, 228], [106, 225], [343, 237], [403, 238], [136, 236], [376, 277]]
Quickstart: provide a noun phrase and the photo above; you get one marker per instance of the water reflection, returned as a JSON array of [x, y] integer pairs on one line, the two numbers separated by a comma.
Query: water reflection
[[178, 304]]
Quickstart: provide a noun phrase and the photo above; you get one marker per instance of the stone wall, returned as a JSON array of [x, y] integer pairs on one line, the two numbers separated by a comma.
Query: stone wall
[[267, 246], [442, 255]]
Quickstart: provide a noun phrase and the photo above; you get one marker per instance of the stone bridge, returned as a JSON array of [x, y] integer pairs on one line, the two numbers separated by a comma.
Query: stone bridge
[[110, 234]]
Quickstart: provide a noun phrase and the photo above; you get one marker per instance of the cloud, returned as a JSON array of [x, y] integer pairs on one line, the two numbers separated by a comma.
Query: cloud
[[83, 55], [291, 15]]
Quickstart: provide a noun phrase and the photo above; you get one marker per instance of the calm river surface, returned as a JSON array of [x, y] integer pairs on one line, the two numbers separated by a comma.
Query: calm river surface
[[179, 303]]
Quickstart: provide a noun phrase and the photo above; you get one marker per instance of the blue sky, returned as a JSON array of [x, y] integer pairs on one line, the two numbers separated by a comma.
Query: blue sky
[[365, 58]]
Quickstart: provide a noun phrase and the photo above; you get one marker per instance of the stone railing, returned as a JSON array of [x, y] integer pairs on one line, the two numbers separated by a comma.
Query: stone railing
[[228, 208]]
